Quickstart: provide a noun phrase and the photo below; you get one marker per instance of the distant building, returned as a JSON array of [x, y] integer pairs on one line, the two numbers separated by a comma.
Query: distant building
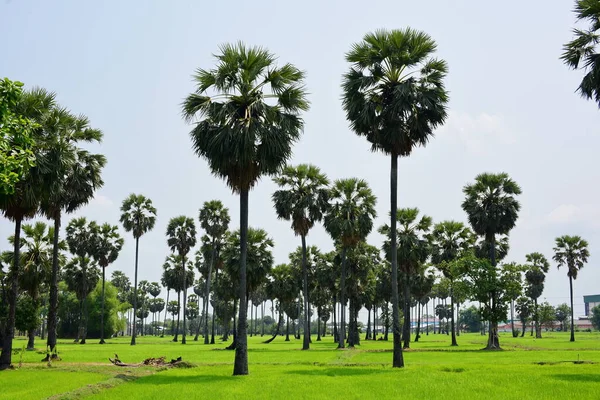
[[591, 302]]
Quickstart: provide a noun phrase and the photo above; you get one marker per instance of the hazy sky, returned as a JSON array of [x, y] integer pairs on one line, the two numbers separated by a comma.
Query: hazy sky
[[128, 65]]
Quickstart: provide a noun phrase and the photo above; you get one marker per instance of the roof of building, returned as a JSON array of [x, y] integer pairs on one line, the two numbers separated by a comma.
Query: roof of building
[[593, 298]]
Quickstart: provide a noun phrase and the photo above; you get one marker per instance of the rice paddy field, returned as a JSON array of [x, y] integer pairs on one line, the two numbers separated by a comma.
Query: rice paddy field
[[548, 368]]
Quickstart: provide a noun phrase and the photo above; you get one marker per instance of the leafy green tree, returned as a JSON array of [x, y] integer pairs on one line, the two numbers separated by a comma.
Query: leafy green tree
[[571, 252], [173, 309], [512, 280], [173, 277], [181, 237], [349, 220], [138, 216], [525, 309], [470, 318], [246, 129], [595, 317], [81, 277], [582, 53], [105, 244], [536, 269], [563, 311], [104, 311], [281, 286], [413, 250], [302, 199], [394, 96], [449, 241], [547, 315], [214, 219], [16, 137], [79, 240], [492, 209]]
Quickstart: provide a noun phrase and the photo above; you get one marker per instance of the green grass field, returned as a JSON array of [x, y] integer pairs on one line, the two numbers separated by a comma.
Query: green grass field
[[280, 370]]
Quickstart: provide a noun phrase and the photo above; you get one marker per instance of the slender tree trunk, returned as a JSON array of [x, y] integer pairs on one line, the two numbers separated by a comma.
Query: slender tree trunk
[[53, 309], [279, 325], [572, 312], [454, 343], [335, 330], [318, 324], [368, 335], [85, 307], [524, 323], [418, 332], [287, 329], [251, 321], [176, 338], [262, 316], [458, 316], [406, 325], [398, 359], [102, 307], [240, 366], [427, 319], [134, 327], [213, 256], [342, 338], [306, 342], [538, 328], [184, 299], [493, 339], [212, 335], [165, 321], [512, 317]]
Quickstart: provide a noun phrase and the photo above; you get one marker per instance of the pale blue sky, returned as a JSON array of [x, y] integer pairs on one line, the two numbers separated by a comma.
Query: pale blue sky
[[127, 65]]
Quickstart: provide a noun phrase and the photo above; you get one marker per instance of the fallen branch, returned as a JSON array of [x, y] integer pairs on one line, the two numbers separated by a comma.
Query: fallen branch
[[153, 362]]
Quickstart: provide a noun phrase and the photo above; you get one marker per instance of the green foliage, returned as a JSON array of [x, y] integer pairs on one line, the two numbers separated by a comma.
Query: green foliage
[[571, 252], [27, 316], [16, 137], [112, 322], [563, 312], [470, 319], [595, 317], [582, 51], [68, 312], [138, 215], [547, 315]]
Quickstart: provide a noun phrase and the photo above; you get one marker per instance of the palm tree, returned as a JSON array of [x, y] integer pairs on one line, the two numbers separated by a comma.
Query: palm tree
[[412, 251], [246, 129], [303, 200], [572, 252], [81, 277], [394, 96], [536, 269], [181, 237], [349, 220], [450, 240], [71, 177], [79, 240], [582, 52], [492, 209], [138, 216], [105, 243], [214, 219]]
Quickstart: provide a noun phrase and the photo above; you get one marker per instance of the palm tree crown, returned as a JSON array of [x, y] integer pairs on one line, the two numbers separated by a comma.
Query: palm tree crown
[[394, 93], [246, 130], [572, 252], [582, 51], [214, 218], [352, 210], [181, 235], [105, 243], [491, 205], [303, 197], [138, 215]]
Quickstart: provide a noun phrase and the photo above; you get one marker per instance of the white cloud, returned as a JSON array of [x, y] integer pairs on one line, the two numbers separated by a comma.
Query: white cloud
[[101, 201], [479, 133], [571, 213]]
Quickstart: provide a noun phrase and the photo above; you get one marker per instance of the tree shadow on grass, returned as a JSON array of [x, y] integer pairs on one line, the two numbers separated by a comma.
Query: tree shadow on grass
[[341, 371], [577, 377], [160, 379]]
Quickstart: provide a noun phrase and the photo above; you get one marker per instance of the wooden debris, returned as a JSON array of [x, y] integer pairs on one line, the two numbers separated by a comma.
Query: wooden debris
[[153, 362]]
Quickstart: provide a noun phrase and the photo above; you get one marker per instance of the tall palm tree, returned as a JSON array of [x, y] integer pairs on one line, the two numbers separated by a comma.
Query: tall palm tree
[[79, 240], [450, 240], [492, 209], [181, 237], [394, 96], [413, 250], [138, 215], [349, 220], [571, 252], [536, 269], [214, 219], [246, 129], [303, 199], [105, 243], [582, 51]]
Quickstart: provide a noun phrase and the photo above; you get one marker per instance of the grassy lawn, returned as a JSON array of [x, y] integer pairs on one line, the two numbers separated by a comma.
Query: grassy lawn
[[280, 370]]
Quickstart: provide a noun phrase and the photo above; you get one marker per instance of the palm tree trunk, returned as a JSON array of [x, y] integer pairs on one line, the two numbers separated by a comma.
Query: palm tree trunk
[[176, 338], [262, 315], [53, 309], [368, 335], [212, 335], [165, 321], [572, 313], [538, 331], [306, 342], [398, 359], [240, 366], [287, 329], [418, 332], [406, 325], [335, 330], [135, 287], [102, 308], [184, 300], [318, 324], [452, 315], [213, 256], [342, 332], [458, 316], [512, 317], [493, 339], [427, 318], [84, 317]]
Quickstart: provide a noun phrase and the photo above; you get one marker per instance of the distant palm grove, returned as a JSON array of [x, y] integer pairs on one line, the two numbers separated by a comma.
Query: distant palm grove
[[220, 279]]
